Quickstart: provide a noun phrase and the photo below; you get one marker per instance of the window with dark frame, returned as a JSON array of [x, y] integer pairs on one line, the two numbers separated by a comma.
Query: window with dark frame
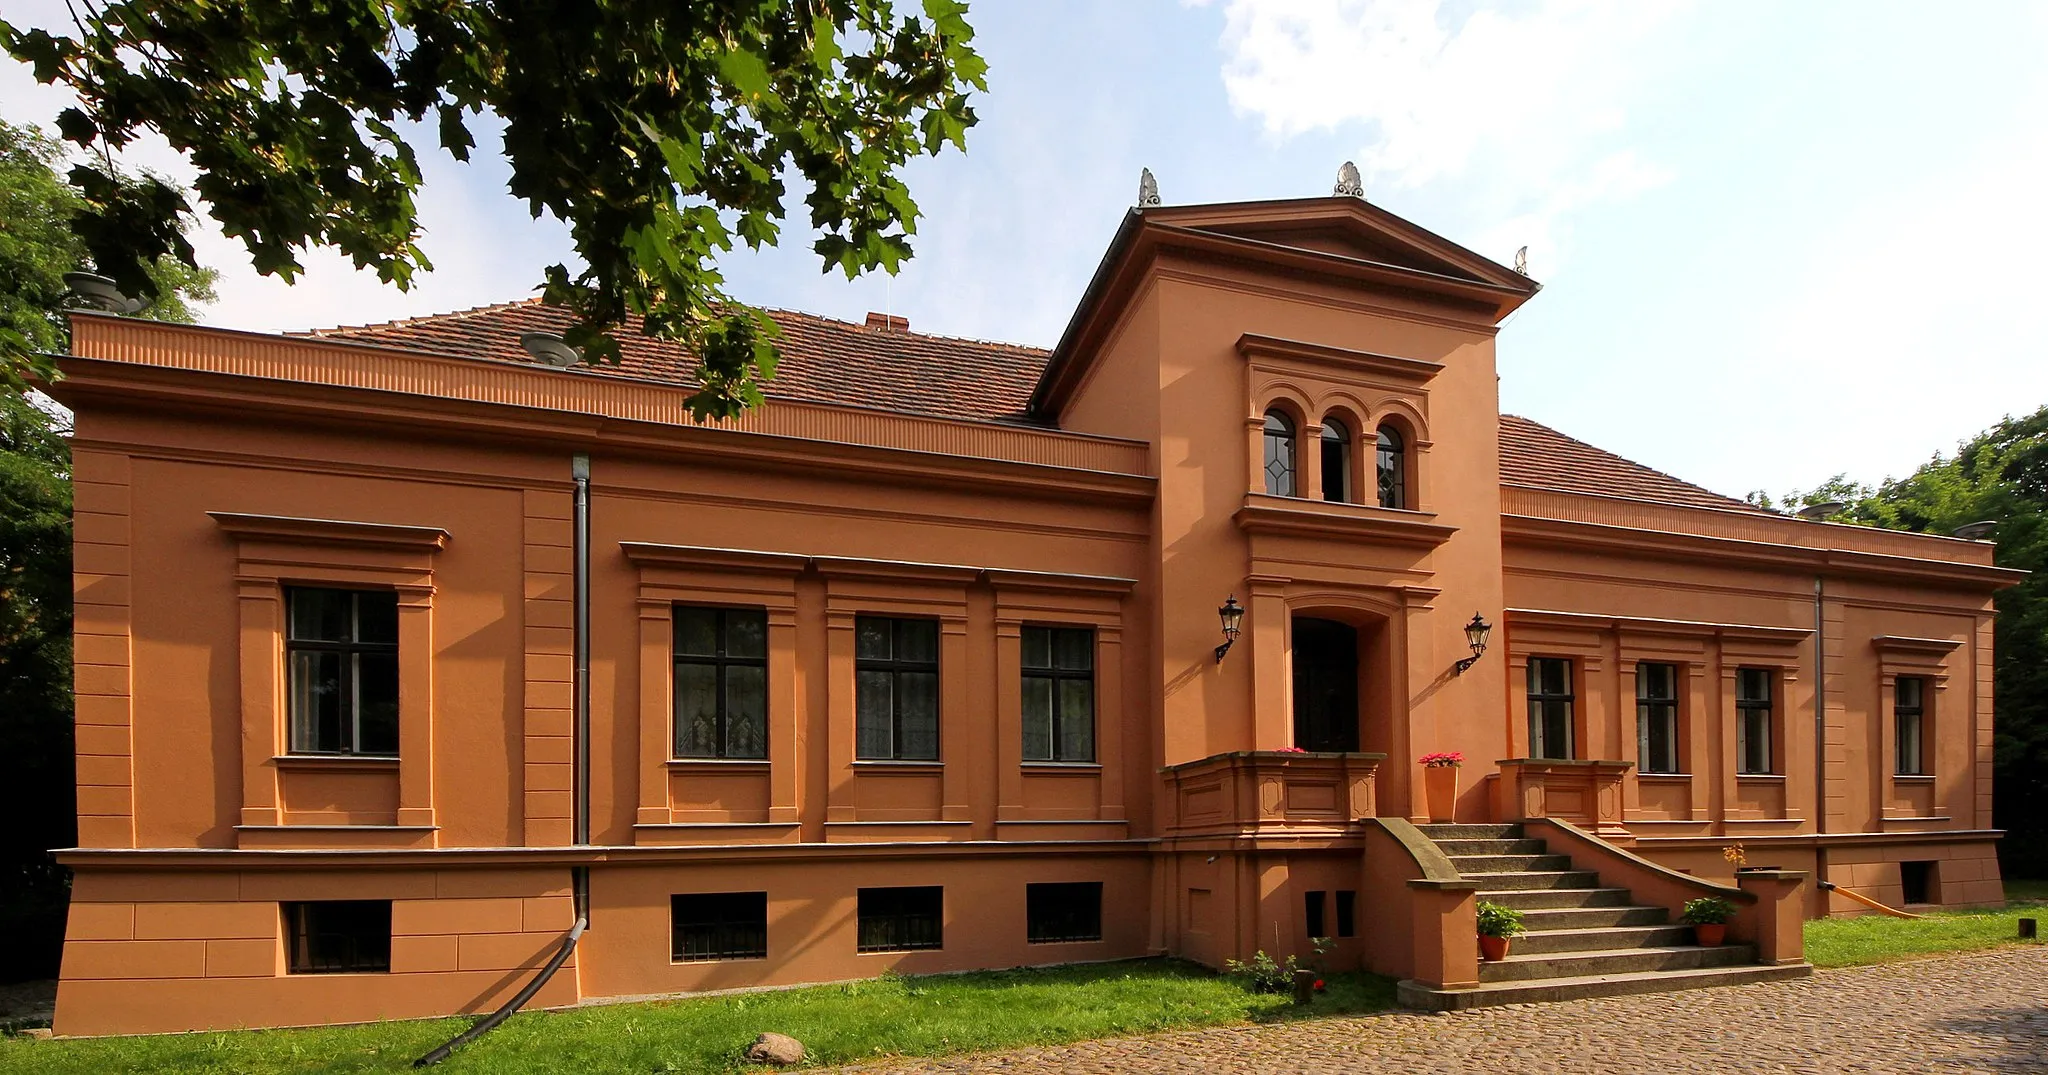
[[1550, 707], [338, 936], [1753, 721], [896, 689], [1313, 904], [709, 926], [1347, 913], [1909, 717], [721, 682], [1059, 693], [341, 662], [1280, 468], [1336, 460], [1393, 468], [1656, 718], [901, 919], [1056, 912]]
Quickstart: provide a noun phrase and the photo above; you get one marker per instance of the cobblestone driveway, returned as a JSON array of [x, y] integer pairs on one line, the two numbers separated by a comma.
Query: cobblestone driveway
[[1982, 1012]]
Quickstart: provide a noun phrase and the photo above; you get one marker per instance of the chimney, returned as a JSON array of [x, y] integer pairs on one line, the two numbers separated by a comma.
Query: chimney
[[886, 323]]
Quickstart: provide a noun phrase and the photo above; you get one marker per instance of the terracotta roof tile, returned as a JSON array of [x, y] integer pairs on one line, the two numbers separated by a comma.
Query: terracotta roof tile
[[1532, 453], [824, 360], [840, 363]]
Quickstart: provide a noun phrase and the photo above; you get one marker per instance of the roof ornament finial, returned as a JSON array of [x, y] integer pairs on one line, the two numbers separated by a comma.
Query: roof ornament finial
[[1348, 182], [1522, 261], [1148, 188]]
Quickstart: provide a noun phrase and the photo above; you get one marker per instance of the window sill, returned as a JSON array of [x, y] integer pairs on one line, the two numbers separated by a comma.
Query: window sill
[[674, 962], [725, 764], [1671, 777], [1760, 778], [890, 765], [363, 762], [1062, 766], [1912, 778]]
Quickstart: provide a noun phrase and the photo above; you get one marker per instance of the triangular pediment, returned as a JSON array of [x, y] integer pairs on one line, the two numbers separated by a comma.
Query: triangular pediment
[[1344, 227]]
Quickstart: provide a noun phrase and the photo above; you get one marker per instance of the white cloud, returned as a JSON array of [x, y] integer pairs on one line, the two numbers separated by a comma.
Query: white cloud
[[1523, 106]]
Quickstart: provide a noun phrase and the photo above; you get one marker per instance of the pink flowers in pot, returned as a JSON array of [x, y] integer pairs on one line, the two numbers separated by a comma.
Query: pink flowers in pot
[[1443, 759]]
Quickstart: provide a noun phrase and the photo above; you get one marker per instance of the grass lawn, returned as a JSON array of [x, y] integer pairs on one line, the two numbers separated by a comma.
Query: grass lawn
[[838, 1023], [1875, 938]]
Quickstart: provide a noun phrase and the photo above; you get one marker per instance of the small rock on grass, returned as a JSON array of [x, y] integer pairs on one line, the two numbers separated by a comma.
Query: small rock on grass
[[778, 1049]]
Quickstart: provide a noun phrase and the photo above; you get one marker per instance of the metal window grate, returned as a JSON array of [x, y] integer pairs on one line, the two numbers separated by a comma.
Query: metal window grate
[[339, 936], [1063, 911], [901, 919], [719, 925]]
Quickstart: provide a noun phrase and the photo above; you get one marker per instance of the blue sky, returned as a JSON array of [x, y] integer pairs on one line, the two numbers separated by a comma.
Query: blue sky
[[1778, 241]]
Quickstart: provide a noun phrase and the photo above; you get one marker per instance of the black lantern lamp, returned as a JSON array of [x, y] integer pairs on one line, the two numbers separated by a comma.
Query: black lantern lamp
[[1476, 634], [1232, 615]]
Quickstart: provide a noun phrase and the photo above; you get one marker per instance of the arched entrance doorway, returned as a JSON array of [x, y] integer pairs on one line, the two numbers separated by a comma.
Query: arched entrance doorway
[[1325, 684]]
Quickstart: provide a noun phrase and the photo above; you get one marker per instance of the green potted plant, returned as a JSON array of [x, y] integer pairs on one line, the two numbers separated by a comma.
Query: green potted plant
[[1497, 923], [1708, 917]]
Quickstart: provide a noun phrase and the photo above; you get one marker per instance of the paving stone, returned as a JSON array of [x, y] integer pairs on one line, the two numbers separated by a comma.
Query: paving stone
[[1985, 1011]]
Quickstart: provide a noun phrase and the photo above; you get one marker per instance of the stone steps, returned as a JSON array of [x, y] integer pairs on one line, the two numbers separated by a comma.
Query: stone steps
[[1414, 994], [1549, 938], [1459, 848], [1471, 832], [1470, 865], [1525, 880], [1612, 961], [1546, 919], [1532, 899]]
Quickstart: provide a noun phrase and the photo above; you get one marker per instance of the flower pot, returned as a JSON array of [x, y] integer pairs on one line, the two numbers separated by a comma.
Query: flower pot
[[1440, 790], [1710, 934], [1492, 949]]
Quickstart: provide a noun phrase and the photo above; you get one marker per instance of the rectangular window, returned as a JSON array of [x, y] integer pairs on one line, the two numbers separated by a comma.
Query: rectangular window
[[339, 936], [1347, 913], [1657, 718], [1313, 912], [341, 659], [1059, 694], [1550, 707], [896, 689], [719, 925], [1067, 911], [1753, 720], [1909, 713], [721, 701], [902, 919], [1919, 883]]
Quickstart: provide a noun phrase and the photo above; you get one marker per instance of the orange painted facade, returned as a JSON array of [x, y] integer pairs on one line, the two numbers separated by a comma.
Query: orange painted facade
[[1119, 488]]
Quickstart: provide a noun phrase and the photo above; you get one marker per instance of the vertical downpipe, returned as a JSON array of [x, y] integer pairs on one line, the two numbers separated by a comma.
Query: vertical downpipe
[[579, 470]]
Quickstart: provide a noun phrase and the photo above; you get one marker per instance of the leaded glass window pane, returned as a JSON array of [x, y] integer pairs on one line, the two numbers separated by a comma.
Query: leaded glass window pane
[[1059, 693], [1279, 455], [1393, 468], [896, 693], [721, 682]]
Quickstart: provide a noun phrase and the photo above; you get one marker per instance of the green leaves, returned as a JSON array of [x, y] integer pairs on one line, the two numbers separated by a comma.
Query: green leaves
[[657, 131]]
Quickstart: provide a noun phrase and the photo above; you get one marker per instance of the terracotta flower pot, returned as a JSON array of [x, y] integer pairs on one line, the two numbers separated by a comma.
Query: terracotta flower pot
[[1710, 934], [1440, 789], [1492, 949]]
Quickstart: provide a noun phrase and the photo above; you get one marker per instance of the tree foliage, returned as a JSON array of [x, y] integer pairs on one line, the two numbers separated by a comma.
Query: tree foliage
[[660, 132], [38, 246], [2001, 476]]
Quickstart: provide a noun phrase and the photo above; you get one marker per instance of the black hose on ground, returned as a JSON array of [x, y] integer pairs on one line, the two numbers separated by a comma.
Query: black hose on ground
[[489, 1022]]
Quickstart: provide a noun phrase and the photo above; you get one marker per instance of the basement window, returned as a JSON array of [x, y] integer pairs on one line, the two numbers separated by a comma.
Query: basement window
[[339, 936], [719, 925], [1066, 911], [1347, 913], [902, 919], [1919, 881], [1313, 912]]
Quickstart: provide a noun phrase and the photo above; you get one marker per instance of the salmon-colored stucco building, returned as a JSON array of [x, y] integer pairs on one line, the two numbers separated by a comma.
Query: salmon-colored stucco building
[[919, 667]]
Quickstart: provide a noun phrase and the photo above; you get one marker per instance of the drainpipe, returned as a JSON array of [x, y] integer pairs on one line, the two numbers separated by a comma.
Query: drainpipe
[[579, 472]]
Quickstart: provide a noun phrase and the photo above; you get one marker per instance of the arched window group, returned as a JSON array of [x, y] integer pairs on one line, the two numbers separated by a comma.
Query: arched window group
[[1283, 470]]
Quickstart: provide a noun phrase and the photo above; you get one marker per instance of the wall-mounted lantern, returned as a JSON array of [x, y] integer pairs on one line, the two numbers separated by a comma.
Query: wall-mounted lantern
[[1232, 615], [1476, 634]]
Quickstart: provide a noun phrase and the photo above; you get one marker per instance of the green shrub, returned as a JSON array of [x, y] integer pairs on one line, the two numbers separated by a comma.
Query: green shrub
[[1707, 911], [1262, 975]]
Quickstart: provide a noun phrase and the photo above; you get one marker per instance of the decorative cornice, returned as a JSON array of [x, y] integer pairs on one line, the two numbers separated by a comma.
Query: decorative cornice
[[1931, 647], [1414, 370], [1263, 514], [295, 530], [1650, 625], [1048, 581], [649, 554]]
